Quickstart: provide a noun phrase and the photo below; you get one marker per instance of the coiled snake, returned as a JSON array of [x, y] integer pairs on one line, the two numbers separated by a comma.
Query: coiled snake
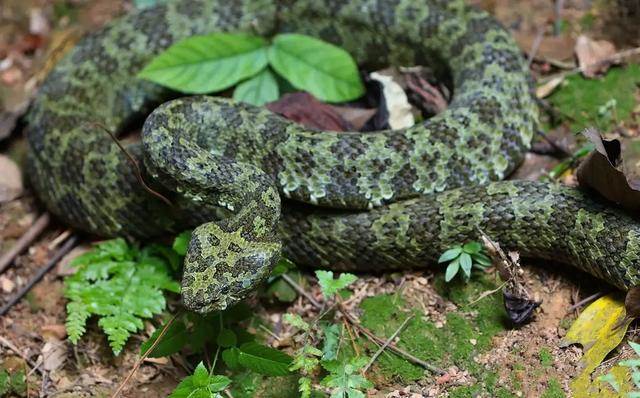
[[359, 201]]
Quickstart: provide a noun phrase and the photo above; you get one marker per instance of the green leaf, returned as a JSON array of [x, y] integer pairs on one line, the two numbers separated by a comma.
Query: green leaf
[[120, 284], [227, 338], [330, 286], [472, 247], [230, 357], [264, 360], [450, 254], [452, 270], [173, 340], [201, 384], [326, 71], [465, 263], [635, 346], [331, 339], [282, 267], [296, 321], [181, 242], [481, 260], [206, 64], [258, 90], [344, 379]]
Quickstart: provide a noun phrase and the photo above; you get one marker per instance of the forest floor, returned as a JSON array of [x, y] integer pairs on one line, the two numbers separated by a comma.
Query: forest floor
[[471, 339]]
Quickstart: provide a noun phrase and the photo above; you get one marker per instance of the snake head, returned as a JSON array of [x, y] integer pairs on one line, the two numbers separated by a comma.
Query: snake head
[[222, 267]]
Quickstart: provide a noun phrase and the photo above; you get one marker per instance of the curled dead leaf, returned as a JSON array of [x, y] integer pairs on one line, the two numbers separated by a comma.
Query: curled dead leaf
[[612, 170], [594, 57], [305, 109]]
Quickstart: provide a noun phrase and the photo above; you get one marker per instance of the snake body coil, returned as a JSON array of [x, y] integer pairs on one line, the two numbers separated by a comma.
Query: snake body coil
[[363, 201]]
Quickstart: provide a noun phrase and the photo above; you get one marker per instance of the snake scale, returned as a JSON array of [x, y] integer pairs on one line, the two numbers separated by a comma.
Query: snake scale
[[350, 201]]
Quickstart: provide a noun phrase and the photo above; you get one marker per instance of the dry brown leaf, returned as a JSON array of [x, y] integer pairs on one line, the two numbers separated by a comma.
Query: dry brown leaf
[[356, 117], [53, 332], [305, 109], [612, 170], [594, 57], [10, 180], [63, 268], [54, 354], [6, 284], [544, 90]]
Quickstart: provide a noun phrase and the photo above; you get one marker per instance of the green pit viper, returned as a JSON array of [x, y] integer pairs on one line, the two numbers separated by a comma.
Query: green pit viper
[[350, 201]]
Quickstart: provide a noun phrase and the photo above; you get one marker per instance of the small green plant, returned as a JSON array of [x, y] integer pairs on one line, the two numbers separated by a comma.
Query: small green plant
[[465, 257], [330, 286], [122, 285], [344, 379], [12, 383], [634, 364], [201, 384], [215, 62]]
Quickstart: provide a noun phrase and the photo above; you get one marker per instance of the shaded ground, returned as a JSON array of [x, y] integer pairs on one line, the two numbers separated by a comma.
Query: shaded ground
[[481, 353]]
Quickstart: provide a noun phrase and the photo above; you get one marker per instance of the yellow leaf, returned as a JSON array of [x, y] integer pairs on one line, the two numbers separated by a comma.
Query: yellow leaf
[[594, 331]]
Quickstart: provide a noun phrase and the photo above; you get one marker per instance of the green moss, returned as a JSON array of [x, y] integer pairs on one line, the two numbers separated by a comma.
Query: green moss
[[467, 332], [554, 390], [584, 100], [546, 359], [250, 385], [464, 392]]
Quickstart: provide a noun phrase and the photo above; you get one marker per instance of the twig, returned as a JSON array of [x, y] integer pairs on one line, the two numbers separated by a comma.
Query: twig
[[487, 293], [367, 332], [300, 290], [386, 343], [352, 338], [557, 25], [535, 46], [66, 248], [25, 240], [143, 356], [584, 301], [5, 342]]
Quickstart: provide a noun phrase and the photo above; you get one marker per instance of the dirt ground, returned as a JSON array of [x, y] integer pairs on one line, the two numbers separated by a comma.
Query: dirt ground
[[522, 362]]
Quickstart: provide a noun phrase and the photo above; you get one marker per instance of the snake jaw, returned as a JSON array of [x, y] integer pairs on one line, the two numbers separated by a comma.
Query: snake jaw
[[220, 272]]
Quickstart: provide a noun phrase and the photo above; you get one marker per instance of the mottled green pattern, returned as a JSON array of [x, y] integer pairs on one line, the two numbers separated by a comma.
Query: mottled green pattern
[[223, 164]]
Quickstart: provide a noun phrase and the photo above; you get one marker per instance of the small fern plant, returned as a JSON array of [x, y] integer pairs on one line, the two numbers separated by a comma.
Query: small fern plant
[[464, 257], [120, 284]]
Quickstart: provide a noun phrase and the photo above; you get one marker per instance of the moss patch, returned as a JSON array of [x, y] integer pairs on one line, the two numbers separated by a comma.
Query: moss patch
[[585, 100], [554, 390], [467, 332]]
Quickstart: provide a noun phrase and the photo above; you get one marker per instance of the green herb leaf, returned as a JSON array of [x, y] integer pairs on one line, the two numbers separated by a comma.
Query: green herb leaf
[[330, 286], [264, 360], [201, 385], [452, 270], [472, 247], [258, 90], [296, 321], [206, 64], [450, 254], [173, 340], [227, 338], [331, 339], [344, 379], [181, 242], [465, 263], [326, 71], [230, 357]]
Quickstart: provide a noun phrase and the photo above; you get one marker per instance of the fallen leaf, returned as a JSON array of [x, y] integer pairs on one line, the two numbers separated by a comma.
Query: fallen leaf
[[544, 90], [611, 169], [54, 354], [594, 331], [10, 180], [63, 268], [6, 284], [594, 57], [356, 117], [305, 109], [54, 331], [396, 101], [551, 48]]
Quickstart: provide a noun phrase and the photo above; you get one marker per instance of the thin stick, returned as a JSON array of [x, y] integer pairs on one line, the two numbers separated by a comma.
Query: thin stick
[[300, 290], [535, 46], [367, 332], [142, 358], [66, 248], [5, 342], [352, 338], [386, 343], [584, 301], [25, 240]]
